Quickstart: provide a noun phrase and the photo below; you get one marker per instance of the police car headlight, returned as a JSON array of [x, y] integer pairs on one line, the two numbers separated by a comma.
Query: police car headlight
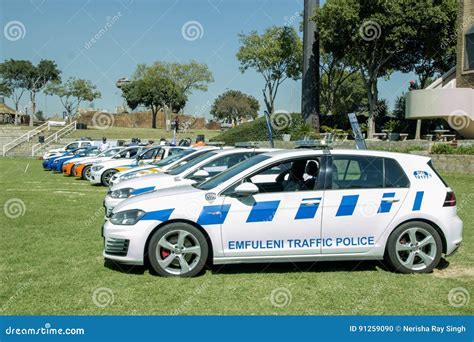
[[130, 176], [97, 168], [121, 193], [127, 217]]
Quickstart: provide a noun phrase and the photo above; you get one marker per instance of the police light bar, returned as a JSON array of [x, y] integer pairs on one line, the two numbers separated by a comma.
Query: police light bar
[[315, 144], [249, 144], [216, 143]]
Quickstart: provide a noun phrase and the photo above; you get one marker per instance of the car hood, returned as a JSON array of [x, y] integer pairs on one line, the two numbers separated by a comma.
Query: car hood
[[136, 169], [88, 160], [78, 160], [115, 162], [154, 179], [161, 199]]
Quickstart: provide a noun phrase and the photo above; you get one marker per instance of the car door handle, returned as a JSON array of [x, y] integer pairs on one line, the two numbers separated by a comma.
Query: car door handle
[[390, 200]]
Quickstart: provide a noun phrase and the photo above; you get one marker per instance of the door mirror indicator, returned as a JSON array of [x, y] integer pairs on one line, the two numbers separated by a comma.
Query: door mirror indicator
[[246, 189]]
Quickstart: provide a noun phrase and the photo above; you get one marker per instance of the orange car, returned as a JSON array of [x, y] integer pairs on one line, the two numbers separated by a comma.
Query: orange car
[[82, 170], [68, 169]]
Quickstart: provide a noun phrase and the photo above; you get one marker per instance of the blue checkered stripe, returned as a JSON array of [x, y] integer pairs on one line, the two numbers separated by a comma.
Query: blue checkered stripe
[[264, 211]]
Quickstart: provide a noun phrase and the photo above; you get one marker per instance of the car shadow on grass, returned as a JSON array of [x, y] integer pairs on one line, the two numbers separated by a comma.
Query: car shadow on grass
[[288, 267], [122, 268], [300, 267]]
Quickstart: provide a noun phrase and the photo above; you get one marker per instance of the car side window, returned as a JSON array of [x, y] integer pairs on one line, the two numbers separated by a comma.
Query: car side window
[[72, 146], [357, 172], [286, 176], [395, 177]]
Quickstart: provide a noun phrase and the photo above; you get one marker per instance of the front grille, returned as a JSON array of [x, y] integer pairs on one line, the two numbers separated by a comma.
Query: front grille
[[117, 247]]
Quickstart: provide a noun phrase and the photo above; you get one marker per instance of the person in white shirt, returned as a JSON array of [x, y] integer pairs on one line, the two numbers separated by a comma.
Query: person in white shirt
[[105, 145]]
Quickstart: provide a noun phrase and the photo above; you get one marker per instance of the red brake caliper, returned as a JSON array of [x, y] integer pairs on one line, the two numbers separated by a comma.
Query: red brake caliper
[[164, 253]]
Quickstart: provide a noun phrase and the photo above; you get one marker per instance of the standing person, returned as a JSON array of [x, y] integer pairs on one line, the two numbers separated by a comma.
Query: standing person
[[176, 124], [105, 145]]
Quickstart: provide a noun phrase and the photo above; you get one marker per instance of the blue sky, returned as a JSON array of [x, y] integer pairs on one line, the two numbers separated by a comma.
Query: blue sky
[[143, 31]]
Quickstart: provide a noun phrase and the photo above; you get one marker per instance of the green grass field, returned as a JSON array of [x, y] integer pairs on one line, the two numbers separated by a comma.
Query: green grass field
[[143, 133], [51, 263]]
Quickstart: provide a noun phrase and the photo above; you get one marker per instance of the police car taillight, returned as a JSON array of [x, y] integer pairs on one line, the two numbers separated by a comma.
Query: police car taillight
[[450, 200]]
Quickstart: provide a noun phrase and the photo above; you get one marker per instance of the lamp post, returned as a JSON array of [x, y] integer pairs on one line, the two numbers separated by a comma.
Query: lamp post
[[311, 76]]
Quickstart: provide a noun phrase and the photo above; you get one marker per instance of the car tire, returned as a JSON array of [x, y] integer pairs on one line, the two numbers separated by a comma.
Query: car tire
[[414, 247], [86, 172], [107, 176], [73, 169], [178, 250]]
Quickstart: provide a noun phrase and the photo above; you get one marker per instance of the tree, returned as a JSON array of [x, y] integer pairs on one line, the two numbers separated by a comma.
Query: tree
[[433, 51], [14, 80], [39, 115], [153, 92], [72, 93], [372, 36], [187, 76], [277, 55], [38, 78], [5, 90], [233, 106], [342, 89]]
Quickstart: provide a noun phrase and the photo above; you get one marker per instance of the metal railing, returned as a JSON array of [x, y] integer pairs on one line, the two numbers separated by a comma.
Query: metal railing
[[25, 137], [54, 137]]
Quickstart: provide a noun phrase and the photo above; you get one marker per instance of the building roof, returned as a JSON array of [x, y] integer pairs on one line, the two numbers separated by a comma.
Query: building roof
[[4, 109]]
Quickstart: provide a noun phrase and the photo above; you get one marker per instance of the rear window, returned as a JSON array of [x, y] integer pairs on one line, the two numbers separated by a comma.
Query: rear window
[[395, 177], [366, 172]]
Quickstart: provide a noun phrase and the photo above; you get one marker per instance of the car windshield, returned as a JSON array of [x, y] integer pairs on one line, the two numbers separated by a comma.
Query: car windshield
[[109, 153], [179, 169], [222, 177], [92, 152], [171, 159]]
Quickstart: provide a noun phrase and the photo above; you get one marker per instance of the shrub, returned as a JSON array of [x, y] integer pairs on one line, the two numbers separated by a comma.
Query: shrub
[[448, 149], [257, 131]]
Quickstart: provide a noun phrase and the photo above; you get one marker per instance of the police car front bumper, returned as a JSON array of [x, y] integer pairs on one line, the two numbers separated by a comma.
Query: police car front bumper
[[126, 244], [110, 203], [114, 180], [96, 177]]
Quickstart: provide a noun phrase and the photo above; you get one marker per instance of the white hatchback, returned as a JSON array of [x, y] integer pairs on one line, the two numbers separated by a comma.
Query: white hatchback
[[318, 205]]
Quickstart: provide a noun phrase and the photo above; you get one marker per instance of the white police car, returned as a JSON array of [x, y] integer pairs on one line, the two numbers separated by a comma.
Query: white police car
[[159, 166], [103, 172], [320, 205], [204, 166]]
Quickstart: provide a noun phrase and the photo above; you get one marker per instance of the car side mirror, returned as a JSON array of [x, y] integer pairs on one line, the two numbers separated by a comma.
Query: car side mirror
[[246, 189], [200, 175]]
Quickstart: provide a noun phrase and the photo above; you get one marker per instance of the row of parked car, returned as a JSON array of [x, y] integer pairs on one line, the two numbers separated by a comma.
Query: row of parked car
[[179, 208]]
